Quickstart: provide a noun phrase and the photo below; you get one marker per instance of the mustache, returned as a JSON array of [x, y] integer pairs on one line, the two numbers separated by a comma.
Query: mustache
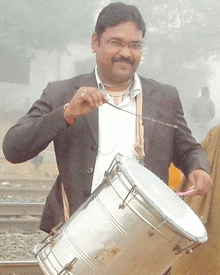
[[122, 59]]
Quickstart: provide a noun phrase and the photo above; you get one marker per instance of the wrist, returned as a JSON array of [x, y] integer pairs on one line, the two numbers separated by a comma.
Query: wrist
[[69, 120]]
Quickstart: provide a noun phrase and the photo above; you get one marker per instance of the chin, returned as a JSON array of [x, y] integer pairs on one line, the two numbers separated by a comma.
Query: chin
[[122, 75]]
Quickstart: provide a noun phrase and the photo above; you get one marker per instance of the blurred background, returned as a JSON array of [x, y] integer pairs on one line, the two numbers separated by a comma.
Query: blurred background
[[43, 41]]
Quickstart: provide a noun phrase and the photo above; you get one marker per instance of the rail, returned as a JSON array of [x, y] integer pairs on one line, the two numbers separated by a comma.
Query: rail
[[20, 268], [24, 192], [22, 217], [21, 209]]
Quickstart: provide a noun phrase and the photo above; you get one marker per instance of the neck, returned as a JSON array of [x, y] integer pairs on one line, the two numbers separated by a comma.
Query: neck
[[119, 96], [124, 84], [111, 85], [119, 86]]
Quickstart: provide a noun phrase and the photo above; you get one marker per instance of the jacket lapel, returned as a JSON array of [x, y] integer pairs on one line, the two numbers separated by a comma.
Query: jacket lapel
[[149, 111], [89, 80], [149, 107]]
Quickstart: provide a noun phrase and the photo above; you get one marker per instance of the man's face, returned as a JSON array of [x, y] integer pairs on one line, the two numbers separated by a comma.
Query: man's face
[[117, 59]]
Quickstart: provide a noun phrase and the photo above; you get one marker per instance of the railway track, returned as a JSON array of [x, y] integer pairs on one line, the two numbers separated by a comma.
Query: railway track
[[21, 209], [31, 182], [20, 268], [19, 225], [23, 217], [37, 193], [21, 206]]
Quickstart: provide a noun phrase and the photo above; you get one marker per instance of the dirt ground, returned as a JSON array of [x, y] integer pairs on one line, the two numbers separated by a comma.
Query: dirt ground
[[29, 169], [17, 246]]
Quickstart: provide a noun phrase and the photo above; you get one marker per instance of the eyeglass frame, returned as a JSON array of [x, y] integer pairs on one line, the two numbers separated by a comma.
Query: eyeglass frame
[[120, 44]]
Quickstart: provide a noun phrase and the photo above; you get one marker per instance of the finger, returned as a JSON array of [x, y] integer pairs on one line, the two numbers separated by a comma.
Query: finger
[[99, 97], [85, 96], [89, 100], [201, 181], [193, 189], [83, 93], [186, 193], [92, 94], [192, 185], [104, 97], [207, 185], [201, 189], [96, 98]]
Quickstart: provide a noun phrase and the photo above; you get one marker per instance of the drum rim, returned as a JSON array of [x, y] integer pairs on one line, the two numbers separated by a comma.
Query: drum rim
[[121, 162]]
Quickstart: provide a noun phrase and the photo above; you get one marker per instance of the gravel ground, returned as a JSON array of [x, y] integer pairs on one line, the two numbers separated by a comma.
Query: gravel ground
[[14, 245], [18, 246], [19, 199]]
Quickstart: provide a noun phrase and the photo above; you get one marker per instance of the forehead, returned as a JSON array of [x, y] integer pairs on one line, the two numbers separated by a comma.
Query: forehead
[[124, 31]]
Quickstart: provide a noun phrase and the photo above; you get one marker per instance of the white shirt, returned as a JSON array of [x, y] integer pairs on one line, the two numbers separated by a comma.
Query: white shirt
[[116, 131]]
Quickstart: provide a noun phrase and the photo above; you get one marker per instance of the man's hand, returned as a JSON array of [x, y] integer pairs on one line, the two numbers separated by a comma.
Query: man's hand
[[200, 182], [84, 101]]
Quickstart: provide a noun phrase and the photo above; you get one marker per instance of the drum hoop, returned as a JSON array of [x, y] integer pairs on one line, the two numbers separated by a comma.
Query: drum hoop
[[119, 161]]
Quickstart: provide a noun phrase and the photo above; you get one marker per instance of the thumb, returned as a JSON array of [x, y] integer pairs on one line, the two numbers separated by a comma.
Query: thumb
[[192, 181]]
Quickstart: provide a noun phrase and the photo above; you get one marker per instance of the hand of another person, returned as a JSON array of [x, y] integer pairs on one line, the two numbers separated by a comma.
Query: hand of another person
[[84, 101], [200, 182]]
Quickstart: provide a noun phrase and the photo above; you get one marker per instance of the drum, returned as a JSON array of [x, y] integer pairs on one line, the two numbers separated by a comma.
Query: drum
[[132, 224]]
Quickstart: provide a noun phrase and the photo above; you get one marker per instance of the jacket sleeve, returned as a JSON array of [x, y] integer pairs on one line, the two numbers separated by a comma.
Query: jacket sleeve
[[33, 132], [188, 154]]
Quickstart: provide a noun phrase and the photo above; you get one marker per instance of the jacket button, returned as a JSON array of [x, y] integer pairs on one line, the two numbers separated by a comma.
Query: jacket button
[[86, 194], [90, 170]]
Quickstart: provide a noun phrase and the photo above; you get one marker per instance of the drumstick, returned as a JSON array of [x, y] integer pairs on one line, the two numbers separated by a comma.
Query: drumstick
[[148, 118], [185, 193]]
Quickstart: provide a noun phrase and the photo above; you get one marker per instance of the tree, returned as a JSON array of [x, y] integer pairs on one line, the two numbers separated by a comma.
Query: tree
[[182, 36], [47, 25]]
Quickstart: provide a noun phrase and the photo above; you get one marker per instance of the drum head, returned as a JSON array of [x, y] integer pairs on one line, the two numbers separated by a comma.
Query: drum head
[[162, 198]]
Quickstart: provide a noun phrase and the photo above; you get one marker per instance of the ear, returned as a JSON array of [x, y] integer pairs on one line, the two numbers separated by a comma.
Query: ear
[[95, 42]]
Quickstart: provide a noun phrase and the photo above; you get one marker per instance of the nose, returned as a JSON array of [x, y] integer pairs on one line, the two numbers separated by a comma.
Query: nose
[[125, 51]]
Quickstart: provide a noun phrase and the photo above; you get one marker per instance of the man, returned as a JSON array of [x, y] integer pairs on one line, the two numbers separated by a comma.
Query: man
[[88, 133], [205, 257], [203, 111]]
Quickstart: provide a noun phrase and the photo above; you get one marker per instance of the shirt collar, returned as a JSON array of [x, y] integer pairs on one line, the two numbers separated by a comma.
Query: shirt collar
[[136, 87]]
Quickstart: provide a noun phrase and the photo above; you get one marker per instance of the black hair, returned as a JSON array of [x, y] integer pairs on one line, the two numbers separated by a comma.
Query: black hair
[[116, 13]]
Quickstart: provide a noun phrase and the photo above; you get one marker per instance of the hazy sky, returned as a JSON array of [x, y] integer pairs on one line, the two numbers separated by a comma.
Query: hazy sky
[[215, 87]]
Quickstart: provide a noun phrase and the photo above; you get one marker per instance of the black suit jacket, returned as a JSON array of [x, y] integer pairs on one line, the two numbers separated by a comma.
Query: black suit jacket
[[76, 146]]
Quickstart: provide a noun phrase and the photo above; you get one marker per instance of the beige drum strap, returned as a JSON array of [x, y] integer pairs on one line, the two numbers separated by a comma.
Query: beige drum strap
[[66, 209], [139, 145]]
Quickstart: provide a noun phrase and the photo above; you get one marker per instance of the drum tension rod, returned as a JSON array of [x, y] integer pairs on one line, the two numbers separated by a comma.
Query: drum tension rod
[[122, 205], [151, 233], [46, 244], [53, 231], [112, 166], [108, 172], [189, 249], [68, 266]]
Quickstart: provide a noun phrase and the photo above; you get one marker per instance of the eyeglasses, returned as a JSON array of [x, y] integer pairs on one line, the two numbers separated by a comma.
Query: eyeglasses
[[116, 44]]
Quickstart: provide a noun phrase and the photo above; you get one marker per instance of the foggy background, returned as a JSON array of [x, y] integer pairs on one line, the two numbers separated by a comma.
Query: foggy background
[[43, 41]]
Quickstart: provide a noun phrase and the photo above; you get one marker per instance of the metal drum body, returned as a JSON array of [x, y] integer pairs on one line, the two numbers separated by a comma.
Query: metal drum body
[[133, 224]]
